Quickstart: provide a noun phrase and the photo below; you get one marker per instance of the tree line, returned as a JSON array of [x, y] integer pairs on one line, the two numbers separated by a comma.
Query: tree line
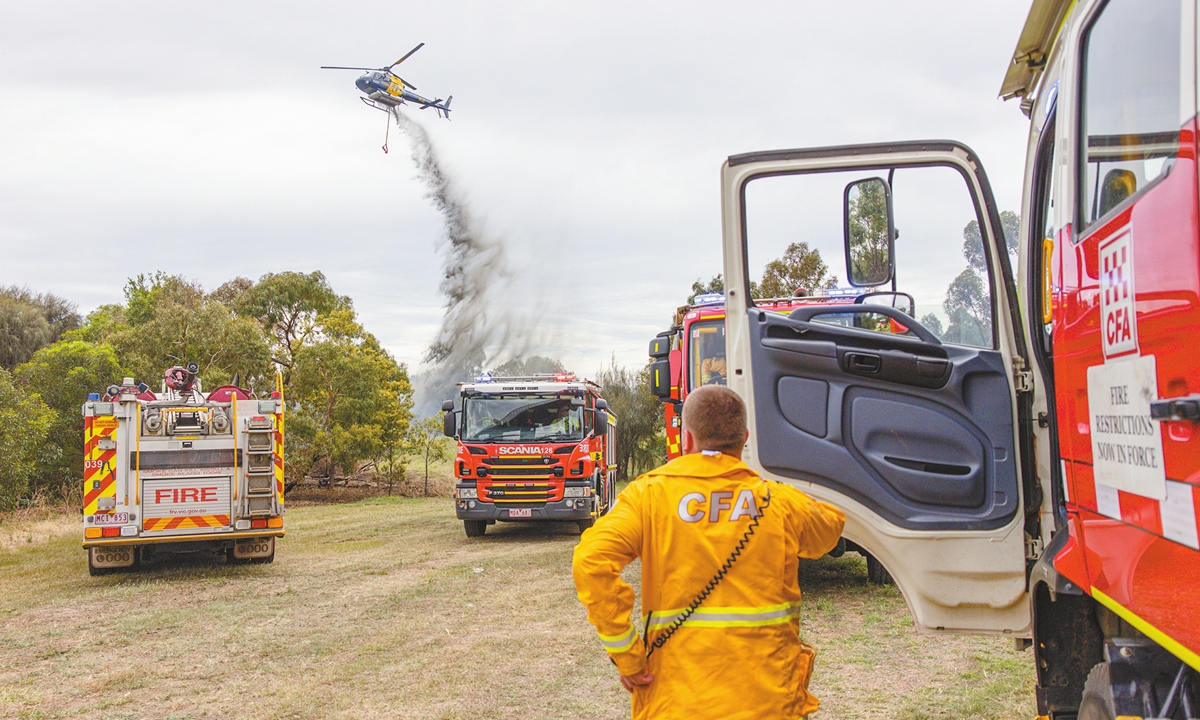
[[349, 402]]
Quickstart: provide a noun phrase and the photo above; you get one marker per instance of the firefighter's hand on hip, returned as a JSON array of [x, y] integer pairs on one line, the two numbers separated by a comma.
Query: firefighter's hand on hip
[[631, 681]]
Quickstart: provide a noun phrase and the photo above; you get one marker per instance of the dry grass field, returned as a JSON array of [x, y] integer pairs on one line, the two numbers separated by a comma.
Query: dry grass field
[[384, 609]]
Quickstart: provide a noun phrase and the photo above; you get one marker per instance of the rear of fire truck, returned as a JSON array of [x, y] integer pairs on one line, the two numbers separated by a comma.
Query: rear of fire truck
[[181, 471], [531, 448]]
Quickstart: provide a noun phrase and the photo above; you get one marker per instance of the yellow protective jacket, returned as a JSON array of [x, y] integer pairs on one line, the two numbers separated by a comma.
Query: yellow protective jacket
[[739, 655]]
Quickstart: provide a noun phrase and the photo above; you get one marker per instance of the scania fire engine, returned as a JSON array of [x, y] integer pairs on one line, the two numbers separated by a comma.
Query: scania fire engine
[[181, 471], [539, 447], [1024, 461]]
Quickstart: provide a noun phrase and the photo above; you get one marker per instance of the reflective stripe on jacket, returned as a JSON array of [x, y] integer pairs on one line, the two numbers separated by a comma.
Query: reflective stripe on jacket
[[739, 655]]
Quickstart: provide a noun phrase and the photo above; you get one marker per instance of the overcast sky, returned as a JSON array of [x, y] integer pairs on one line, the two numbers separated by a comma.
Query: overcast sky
[[202, 139]]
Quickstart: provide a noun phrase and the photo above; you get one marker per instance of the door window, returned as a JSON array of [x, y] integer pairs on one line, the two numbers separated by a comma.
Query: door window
[[707, 349], [1130, 102], [939, 252]]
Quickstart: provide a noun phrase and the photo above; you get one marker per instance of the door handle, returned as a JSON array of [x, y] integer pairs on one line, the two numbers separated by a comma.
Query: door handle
[[1180, 408], [864, 363]]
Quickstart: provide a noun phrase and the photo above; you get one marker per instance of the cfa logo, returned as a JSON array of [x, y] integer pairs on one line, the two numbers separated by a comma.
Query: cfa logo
[[691, 506], [524, 450], [177, 495], [1118, 310]]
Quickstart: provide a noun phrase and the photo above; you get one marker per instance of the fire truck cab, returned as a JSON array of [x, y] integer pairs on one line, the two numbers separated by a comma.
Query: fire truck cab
[[1025, 463], [181, 471], [531, 448]]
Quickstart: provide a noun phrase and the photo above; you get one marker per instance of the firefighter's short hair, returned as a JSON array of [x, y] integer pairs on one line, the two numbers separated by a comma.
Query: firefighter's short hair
[[716, 418]]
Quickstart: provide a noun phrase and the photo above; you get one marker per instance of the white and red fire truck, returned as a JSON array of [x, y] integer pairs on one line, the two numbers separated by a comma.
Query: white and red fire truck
[[531, 448], [181, 471], [1025, 461]]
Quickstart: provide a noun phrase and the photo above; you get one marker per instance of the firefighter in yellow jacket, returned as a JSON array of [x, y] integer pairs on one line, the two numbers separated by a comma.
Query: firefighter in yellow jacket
[[733, 650]]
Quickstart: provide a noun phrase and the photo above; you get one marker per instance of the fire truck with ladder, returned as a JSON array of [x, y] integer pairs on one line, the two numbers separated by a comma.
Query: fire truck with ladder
[[1036, 478], [181, 471], [539, 447]]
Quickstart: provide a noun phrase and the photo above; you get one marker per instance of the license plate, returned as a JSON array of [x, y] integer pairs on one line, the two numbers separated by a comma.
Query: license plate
[[111, 519], [520, 512]]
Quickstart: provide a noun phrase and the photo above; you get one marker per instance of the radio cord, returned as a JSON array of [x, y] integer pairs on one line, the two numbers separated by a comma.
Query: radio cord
[[712, 584]]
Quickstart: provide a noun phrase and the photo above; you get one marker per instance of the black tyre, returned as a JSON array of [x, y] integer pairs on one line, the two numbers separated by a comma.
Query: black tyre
[[1097, 702], [231, 560], [264, 560], [475, 528], [876, 573], [585, 524]]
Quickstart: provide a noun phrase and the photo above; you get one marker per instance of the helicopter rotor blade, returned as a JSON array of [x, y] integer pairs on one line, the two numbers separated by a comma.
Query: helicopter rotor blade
[[340, 67], [407, 84], [410, 52]]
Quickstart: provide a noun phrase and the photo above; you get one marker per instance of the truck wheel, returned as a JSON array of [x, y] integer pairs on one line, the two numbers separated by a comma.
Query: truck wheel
[[876, 573], [585, 524], [475, 528], [1097, 703], [231, 560]]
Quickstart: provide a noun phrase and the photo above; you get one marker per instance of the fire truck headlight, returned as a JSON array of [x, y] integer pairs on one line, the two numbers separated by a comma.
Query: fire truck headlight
[[471, 504], [574, 492], [468, 493]]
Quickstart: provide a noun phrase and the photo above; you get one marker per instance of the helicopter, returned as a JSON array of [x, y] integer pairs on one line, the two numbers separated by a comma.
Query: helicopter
[[385, 89]]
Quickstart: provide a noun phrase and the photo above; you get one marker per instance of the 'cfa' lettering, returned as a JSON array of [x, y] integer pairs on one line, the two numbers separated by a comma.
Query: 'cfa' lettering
[[692, 506]]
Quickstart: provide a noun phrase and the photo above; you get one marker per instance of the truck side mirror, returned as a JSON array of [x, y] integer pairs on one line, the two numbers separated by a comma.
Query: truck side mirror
[[449, 426], [898, 300], [601, 404], [660, 346], [601, 423], [660, 379], [869, 230], [448, 406]]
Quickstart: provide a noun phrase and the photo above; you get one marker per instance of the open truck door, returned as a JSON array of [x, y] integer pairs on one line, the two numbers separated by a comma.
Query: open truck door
[[908, 421]]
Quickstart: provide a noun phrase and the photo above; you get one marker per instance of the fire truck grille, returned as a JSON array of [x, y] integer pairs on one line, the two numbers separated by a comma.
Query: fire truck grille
[[522, 461], [525, 472], [526, 493]]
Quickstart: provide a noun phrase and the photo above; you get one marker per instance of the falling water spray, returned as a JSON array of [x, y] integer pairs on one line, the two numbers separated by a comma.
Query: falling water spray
[[479, 326]]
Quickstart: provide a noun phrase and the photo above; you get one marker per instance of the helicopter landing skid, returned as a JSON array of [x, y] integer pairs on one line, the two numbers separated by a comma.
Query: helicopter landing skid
[[377, 105]]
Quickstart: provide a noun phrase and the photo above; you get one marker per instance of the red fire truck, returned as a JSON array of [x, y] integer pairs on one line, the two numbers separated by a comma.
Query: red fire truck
[[1025, 461], [531, 448], [692, 352], [181, 471]]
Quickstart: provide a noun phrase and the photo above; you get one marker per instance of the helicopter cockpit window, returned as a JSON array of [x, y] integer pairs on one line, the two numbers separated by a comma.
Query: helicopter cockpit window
[[706, 365]]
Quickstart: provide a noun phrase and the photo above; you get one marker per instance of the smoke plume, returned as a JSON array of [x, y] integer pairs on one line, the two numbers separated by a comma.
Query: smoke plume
[[479, 327]]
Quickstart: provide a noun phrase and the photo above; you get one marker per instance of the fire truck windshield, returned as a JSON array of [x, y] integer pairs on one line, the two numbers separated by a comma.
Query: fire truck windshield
[[506, 418], [706, 350]]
